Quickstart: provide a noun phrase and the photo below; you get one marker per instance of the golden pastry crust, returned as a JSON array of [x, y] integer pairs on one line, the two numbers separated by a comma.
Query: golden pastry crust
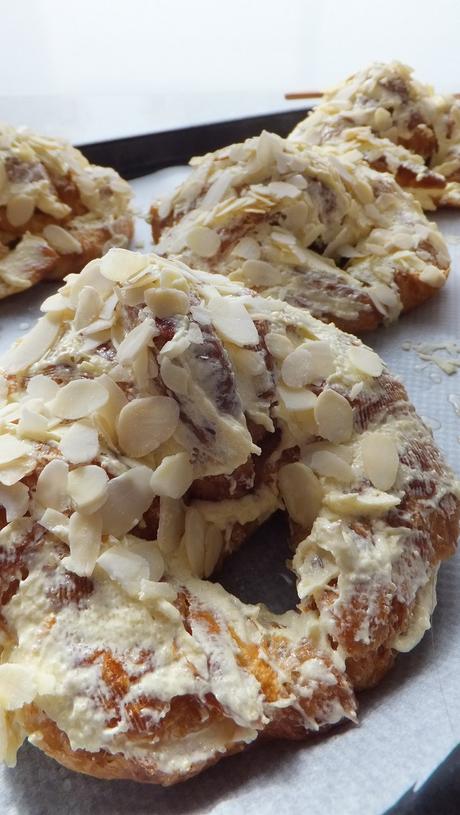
[[399, 125], [146, 431], [57, 211], [313, 226]]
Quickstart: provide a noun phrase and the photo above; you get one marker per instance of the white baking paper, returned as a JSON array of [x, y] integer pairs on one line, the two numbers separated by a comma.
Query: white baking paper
[[408, 724]]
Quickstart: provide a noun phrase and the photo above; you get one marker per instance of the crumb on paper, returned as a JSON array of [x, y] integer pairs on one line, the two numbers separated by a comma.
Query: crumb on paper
[[426, 352]]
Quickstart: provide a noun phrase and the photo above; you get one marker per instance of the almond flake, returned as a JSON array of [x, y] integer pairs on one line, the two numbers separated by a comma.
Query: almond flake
[[57, 523], [167, 302], [151, 591], [372, 503], [124, 567], [51, 488], [311, 362], [380, 459], [260, 273], [194, 538], [334, 416], [80, 443], [213, 546], [12, 473], [173, 477], [231, 319], [18, 686], [61, 240], [329, 465], [297, 400], [150, 552], [203, 241], [144, 424], [58, 305], [32, 347], [85, 542], [301, 492], [365, 360], [15, 499], [278, 345], [128, 496], [107, 415], [42, 387], [88, 307], [171, 524], [87, 487], [19, 209], [174, 377], [79, 398], [4, 389], [32, 425], [12, 448], [135, 341], [282, 189], [121, 264], [247, 248]]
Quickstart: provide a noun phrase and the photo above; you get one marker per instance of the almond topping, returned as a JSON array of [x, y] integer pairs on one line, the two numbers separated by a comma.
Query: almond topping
[[80, 443], [173, 477], [311, 362], [152, 591], [174, 377], [297, 400], [150, 552], [42, 387], [128, 496], [57, 523], [334, 416], [213, 546], [259, 273], [52, 485], [88, 307], [278, 345], [372, 503], [85, 542], [32, 347], [135, 341], [19, 209], [146, 423], [203, 241], [15, 499], [380, 459], [124, 567], [328, 464], [12, 448], [171, 524], [167, 302], [121, 264], [365, 360], [194, 537], [79, 398], [87, 487], [231, 319], [301, 492], [61, 240]]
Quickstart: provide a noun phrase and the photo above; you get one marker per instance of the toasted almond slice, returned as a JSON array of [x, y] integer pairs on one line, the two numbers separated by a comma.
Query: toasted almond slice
[[52, 485], [146, 423], [174, 377], [150, 552], [260, 273], [297, 400], [334, 416], [42, 387], [87, 487], [19, 209], [32, 425], [311, 362], [135, 341], [365, 360], [167, 302], [380, 459], [12, 448], [18, 685], [194, 538], [372, 503], [247, 248], [213, 546], [301, 492], [173, 477], [171, 524], [33, 346], [20, 467], [57, 523], [232, 320], [151, 591], [79, 398], [282, 189], [120, 264], [203, 241], [329, 465], [128, 496], [15, 499], [85, 542], [80, 443], [88, 307], [107, 415], [278, 345], [57, 305], [124, 567], [62, 240]]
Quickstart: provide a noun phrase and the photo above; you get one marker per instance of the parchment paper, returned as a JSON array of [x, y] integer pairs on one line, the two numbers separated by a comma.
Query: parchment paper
[[408, 724]]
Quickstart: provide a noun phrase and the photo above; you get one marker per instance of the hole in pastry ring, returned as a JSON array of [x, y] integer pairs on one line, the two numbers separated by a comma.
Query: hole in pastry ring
[[313, 226], [57, 211], [131, 467], [408, 130]]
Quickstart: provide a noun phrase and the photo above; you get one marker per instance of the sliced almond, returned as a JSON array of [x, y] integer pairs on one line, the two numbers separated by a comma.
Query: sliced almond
[[365, 360], [18, 685], [260, 273], [32, 347], [150, 551], [194, 541], [17, 469], [311, 362], [135, 341], [329, 465], [380, 459], [174, 377], [51, 488], [62, 240], [301, 492], [79, 398], [15, 499], [334, 416], [213, 547], [128, 496], [232, 320], [173, 477], [12, 448], [372, 503], [87, 487], [171, 524], [32, 425], [57, 523], [88, 307], [278, 345], [124, 567], [42, 387], [297, 400], [84, 542], [247, 248], [80, 443], [19, 209], [203, 241], [120, 264], [151, 591], [146, 423], [167, 302]]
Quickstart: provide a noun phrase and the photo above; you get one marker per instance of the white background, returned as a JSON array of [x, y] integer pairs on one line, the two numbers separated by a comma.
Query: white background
[[102, 68]]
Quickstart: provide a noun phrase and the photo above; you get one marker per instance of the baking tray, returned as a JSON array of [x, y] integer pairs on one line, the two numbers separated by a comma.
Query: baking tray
[[40, 787]]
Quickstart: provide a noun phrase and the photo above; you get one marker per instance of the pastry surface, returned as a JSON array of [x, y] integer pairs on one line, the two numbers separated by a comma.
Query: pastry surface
[[313, 226], [399, 125], [151, 420], [57, 211]]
